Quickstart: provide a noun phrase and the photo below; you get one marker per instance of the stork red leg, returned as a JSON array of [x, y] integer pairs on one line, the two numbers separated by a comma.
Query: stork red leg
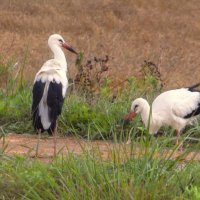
[[55, 140], [177, 137], [38, 143]]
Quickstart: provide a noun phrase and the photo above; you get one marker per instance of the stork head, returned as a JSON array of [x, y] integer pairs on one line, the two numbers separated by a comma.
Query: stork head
[[136, 107], [58, 40]]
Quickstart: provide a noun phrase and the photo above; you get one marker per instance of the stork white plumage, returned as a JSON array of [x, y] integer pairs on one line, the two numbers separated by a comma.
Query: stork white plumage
[[50, 87], [175, 108]]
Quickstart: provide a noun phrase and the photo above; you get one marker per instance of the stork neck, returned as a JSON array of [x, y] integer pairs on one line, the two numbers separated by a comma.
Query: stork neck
[[59, 55], [145, 113]]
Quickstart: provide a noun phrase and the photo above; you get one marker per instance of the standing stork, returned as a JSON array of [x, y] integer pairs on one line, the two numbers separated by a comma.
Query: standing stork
[[50, 87], [175, 108]]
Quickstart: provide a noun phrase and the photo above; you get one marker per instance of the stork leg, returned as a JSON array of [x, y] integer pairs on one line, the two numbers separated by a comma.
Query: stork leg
[[55, 140], [129, 138], [177, 139], [38, 142]]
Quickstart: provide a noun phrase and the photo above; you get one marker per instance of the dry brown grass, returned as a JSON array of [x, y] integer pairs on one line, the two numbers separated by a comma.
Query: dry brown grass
[[131, 31]]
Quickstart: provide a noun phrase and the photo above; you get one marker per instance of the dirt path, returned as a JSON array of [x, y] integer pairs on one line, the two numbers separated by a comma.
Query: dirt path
[[26, 145]]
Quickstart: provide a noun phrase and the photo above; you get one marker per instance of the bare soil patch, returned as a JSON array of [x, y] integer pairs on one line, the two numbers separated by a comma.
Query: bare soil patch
[[26, 145]]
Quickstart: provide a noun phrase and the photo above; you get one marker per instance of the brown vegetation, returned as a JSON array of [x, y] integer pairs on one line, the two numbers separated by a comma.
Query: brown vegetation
[[166, 33]]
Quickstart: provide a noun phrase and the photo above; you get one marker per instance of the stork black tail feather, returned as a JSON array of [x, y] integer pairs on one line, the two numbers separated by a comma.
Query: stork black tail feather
[[193, 88], [52, 128], [37, 124], [37, 121]]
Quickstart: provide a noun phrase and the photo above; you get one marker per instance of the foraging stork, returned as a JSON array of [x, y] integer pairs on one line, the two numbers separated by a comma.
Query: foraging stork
[[175, 108], [50, 87]]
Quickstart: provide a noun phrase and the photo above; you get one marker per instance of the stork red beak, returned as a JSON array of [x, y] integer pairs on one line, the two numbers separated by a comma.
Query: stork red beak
[[66, 46], [129, 116]]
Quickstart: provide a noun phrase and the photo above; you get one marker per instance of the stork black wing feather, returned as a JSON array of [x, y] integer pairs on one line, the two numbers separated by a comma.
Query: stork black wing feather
[[55, 100], [194, 112], [193, 88], [197, 110], [38, 89]]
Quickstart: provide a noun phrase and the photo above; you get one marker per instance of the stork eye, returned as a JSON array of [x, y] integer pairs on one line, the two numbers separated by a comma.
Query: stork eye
[[135, 106], [60, 40]]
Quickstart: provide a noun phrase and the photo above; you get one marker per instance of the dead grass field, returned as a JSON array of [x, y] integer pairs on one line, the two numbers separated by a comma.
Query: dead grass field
[[130, 31]]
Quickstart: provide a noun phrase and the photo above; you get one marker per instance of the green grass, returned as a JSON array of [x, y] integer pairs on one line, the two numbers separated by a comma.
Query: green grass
[[89, 177], [15, 113]]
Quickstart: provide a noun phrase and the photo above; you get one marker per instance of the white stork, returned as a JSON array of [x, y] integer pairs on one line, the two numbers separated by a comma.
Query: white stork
[[175, 108], [50, 87]]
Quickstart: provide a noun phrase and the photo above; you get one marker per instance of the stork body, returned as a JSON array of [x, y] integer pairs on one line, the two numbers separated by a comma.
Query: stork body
[[49, 91], [50, 87], [175, 108]]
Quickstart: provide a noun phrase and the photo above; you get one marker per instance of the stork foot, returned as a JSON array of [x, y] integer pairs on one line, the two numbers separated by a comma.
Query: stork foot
[[177, 140]]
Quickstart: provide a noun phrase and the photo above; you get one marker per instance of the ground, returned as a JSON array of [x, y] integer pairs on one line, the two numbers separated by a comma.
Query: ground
[[17, 144], [26, 144]]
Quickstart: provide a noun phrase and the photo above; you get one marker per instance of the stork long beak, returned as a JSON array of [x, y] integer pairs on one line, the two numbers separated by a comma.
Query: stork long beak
[[66, 46], [129, 117]]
